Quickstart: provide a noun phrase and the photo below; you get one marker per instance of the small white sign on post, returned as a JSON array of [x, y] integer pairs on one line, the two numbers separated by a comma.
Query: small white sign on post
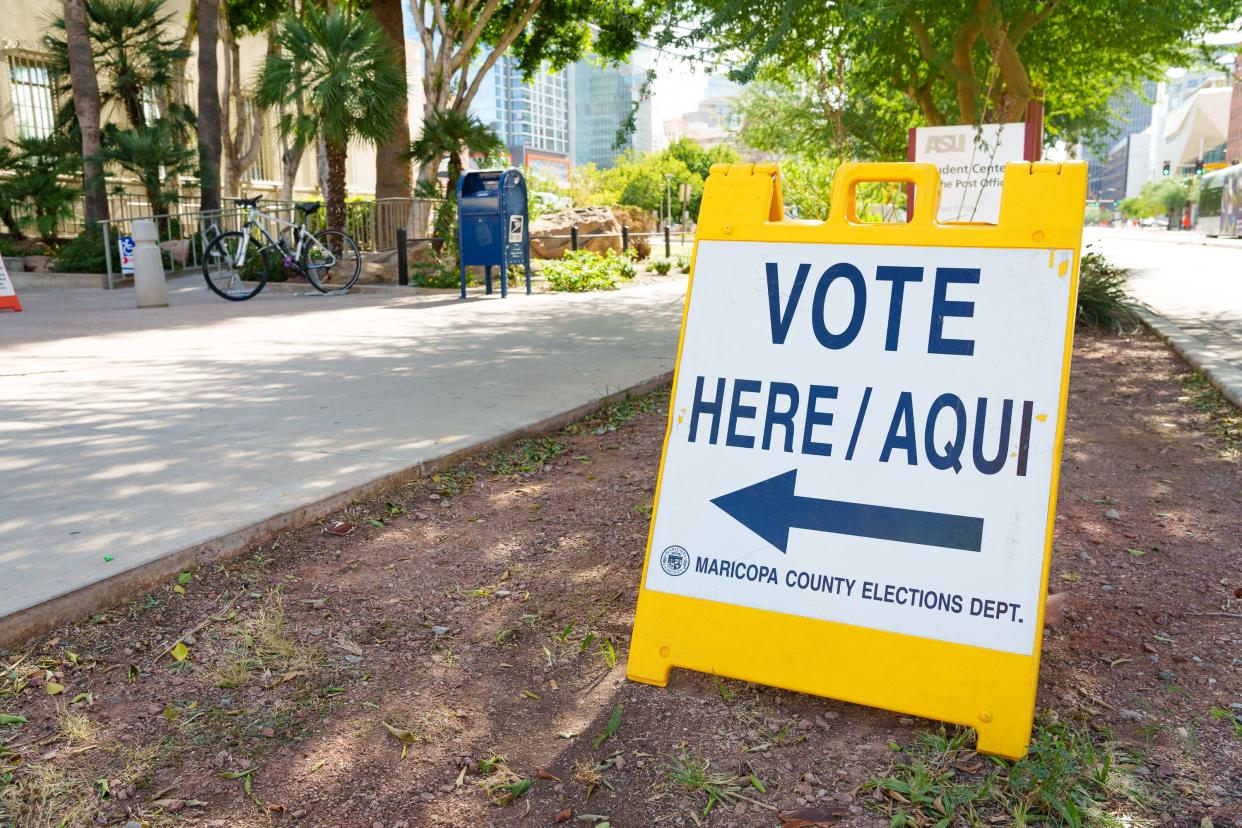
[[125, 244], [971, 160]]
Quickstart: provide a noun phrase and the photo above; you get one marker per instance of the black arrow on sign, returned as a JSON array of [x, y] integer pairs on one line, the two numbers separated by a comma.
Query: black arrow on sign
[[770, 509]]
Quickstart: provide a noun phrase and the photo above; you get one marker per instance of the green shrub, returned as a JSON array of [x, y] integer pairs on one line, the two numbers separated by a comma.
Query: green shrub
[[85, 254], [683, 264], [1102, 300], [582, 270], [442, 272], [661, 266]]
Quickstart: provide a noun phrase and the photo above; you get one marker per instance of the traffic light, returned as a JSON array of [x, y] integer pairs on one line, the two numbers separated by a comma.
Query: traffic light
[[1166, 169], [1199, 167]]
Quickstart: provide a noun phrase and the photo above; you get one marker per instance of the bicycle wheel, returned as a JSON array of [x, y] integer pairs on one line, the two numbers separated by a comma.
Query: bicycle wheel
[[331, 261], [230, 278]]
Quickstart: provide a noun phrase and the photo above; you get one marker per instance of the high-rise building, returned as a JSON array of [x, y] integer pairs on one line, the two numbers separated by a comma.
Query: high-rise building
[[603, 98], [531, 117], [1131, 112], [1233, 146]]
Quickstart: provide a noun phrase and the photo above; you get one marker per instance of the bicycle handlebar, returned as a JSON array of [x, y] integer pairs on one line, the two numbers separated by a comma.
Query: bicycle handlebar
[[248, 202]]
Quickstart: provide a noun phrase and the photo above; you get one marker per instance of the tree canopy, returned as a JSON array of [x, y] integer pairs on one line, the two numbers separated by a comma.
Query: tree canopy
[[957, 63]]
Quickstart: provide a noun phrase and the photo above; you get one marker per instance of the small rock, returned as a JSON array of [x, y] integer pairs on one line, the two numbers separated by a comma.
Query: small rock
[[439, 630], [433, 496], [1108, 588], [1148, 647], [809, 778], [1129, 715], [1166, 675], [805, 724], [1054, 608], [298, 814], [268, 732], [1112, 514], [1196, 659], [353, 659], [155, 709]]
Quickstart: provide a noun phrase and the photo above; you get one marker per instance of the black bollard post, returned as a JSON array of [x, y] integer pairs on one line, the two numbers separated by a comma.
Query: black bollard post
[[625, 237], [403, 266], [668, 244], [573, 237]]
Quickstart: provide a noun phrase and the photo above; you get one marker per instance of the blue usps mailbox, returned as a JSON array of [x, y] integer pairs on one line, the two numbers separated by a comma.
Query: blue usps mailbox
[[492, 224]]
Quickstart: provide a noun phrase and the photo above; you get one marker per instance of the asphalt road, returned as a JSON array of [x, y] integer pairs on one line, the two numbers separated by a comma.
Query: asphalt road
[[1198, 287]]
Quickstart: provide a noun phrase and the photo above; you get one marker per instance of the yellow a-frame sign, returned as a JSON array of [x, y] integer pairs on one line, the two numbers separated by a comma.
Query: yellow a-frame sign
[[858, 485]]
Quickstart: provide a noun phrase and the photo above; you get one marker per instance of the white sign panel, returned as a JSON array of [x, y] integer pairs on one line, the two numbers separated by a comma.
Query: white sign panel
[[126, 246], [865, 435], [6, 286], [971, 160], [515, 229]]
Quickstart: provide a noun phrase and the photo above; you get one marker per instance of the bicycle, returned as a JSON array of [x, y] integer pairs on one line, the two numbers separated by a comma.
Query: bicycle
[[329, 259]]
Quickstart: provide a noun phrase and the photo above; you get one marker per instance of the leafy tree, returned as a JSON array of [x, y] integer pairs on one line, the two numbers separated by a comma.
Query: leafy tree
[[961, 62], [448, 133], [156, 155], [699, 160], [338, 75], [392, 165], [463, 39], [816, 109]]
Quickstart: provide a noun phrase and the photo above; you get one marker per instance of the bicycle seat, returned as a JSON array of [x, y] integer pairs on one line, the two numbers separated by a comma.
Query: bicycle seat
[[248, 202], [309, 207]]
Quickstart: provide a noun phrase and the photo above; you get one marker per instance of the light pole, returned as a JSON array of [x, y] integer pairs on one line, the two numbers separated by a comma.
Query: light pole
[[668, 199]]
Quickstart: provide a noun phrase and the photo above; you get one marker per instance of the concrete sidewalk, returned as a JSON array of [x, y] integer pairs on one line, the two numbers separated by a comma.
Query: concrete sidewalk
[[132, 442]]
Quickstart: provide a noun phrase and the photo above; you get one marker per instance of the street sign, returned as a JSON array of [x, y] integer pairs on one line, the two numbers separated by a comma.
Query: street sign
[[125, 245], [859, 475], [8, 294]]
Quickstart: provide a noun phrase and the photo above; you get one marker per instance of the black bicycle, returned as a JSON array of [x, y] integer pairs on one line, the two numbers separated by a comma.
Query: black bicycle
[[238, 264]]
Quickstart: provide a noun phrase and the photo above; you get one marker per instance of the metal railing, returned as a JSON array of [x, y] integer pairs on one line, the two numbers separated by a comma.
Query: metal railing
[[627, 237], [372, 224]]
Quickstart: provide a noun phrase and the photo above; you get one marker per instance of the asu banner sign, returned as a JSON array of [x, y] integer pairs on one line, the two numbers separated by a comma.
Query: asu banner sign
[[859, 474]]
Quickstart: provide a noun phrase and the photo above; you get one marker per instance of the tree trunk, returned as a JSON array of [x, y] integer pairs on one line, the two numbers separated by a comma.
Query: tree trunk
[[208, 106], [392, 169], [86, 106], [336, 188], [290, 160]]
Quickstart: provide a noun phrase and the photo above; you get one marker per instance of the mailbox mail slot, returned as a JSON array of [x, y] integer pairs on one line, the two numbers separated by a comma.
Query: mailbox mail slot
[[493, 224]]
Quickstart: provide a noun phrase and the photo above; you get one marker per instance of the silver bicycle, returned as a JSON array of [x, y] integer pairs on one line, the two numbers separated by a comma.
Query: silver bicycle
[[238, 264]]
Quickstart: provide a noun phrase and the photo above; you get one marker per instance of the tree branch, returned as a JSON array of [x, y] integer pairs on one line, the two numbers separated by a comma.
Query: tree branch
[[511, 34]]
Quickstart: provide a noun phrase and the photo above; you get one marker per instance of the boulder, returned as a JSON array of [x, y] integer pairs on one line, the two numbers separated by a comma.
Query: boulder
[[381, 268], [15, 264], [37, 264], [178, 250], [545, 232]]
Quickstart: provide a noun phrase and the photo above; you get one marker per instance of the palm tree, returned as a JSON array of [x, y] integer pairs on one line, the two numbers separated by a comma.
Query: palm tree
[[86, 107], [135, 59], [450, 133], [209, 139], [392, 166], [156, 155], [341, 69]]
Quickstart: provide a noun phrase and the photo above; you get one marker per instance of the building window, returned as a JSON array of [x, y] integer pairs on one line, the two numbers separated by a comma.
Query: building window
[[32, 85]]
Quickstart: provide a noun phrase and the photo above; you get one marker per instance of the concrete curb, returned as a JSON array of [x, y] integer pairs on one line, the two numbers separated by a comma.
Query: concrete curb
[[1226, 377], [1232, 244], [81, 603]]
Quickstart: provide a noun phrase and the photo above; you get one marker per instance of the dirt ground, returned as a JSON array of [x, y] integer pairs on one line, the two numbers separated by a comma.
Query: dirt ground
[[457, 659]]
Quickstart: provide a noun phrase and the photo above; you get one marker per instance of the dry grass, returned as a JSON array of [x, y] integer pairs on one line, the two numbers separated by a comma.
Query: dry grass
[[41, 795], [77, 728]]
